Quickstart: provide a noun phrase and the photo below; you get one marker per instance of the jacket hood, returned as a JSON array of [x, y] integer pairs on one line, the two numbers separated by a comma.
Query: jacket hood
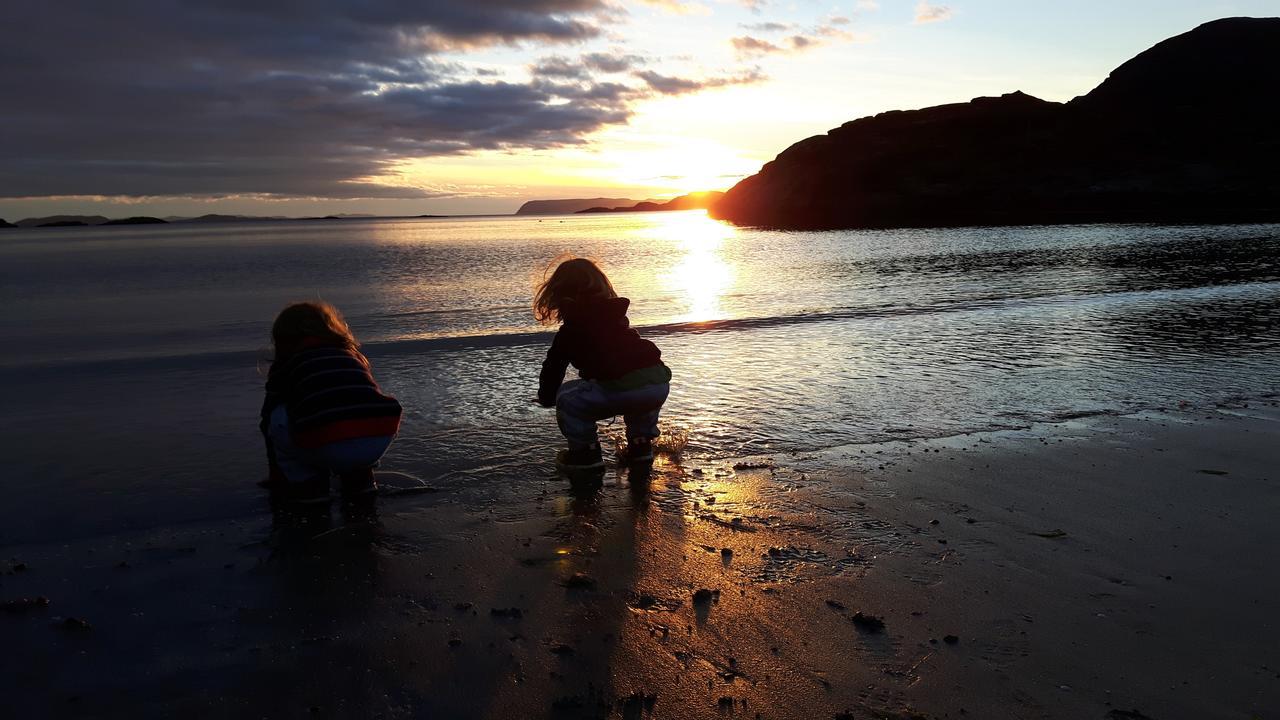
[[595, 310]]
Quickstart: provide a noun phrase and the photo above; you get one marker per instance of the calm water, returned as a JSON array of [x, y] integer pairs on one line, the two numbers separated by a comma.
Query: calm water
[[131, 367]]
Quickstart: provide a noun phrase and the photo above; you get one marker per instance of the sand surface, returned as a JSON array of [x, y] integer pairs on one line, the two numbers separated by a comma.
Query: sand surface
[[1107, 567]]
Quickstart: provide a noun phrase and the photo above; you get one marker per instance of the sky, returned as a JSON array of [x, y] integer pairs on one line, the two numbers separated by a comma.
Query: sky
[[404, 107]]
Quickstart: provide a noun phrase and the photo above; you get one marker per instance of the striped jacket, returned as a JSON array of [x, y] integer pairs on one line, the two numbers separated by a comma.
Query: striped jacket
[[330, 395]]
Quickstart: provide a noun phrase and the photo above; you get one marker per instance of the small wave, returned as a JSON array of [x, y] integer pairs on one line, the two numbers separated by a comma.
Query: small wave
[[521, 338]]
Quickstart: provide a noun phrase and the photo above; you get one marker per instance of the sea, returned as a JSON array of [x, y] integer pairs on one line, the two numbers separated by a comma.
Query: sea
[[134, 356]]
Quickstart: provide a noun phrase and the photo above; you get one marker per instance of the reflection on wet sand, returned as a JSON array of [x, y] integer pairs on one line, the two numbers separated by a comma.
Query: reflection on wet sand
[[699, 590]]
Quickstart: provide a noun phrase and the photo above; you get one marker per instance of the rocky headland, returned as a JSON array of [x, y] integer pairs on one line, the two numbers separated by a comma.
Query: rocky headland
[[1184, 132], [567, 206]]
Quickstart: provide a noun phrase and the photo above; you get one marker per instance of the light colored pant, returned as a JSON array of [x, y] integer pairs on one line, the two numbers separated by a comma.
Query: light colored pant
[[581, 403], [317, 464]]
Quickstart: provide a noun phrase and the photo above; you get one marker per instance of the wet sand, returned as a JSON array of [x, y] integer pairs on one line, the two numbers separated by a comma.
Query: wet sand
[[1107, 567]]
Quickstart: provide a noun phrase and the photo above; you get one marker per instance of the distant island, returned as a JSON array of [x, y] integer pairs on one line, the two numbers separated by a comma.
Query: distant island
[[565, 207], [137, 220], [692, 201], [62, 221], [1184, 132]]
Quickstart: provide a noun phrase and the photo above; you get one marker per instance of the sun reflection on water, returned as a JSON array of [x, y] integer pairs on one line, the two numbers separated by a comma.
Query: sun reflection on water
[[703, 276]]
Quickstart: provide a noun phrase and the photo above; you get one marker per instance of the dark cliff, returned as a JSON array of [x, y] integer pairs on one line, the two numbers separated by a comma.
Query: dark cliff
[[1182, 132]]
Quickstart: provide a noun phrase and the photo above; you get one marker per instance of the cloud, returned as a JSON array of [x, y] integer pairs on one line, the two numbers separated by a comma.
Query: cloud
[[750, 46], [927, 12], [668, 85], [767, 27], [747, 45], [189, 97], [612, 62], [559, 66], [866, 6], [680, 7]]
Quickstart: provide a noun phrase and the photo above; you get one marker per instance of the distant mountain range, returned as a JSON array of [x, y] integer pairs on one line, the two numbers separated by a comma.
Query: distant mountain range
[[87, 220], [1184, 132], [692, 201]]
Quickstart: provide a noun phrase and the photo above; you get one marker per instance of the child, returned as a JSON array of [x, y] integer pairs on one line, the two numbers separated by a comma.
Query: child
[[622, 374], [323, 413]]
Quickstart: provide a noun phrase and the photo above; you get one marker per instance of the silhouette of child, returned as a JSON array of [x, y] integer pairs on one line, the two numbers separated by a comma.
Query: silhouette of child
[[323, 413], [621, 373]]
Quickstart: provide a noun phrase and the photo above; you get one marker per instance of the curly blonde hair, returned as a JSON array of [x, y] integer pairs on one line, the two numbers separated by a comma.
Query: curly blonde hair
[[574, 279], [303, 320]]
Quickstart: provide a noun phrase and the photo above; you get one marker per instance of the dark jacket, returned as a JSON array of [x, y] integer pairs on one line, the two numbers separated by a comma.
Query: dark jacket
[[597, 339], [330, 395]]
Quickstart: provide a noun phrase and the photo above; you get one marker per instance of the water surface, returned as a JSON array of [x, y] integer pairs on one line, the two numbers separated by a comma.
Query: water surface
[[133, 363]]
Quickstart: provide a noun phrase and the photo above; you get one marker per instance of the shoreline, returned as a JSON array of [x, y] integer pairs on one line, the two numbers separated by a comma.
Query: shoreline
[[1071, 594]]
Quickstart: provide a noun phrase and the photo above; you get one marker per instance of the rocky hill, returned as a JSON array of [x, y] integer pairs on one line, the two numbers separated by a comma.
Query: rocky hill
[[1183, 132]]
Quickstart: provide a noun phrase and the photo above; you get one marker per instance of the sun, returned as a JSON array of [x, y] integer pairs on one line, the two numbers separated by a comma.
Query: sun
[[679, 165]]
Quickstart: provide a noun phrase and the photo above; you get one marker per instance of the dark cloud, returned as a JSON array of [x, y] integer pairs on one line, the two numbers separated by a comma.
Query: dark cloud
[[285, 97], [668, 85], [559, 66], [612, 62]]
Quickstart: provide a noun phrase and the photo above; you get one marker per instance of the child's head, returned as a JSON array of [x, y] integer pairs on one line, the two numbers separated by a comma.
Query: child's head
[[576, 279], [309, 321]]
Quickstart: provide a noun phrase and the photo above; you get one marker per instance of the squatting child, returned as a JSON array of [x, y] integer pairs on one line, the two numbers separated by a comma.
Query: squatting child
[[323, 413], [621, 373]]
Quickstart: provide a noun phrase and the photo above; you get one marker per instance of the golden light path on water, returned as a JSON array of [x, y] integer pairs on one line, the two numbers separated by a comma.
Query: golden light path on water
[[703, 275]]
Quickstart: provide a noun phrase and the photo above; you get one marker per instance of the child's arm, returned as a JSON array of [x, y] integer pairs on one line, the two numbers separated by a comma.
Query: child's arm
[[273, 399], [553, 369]]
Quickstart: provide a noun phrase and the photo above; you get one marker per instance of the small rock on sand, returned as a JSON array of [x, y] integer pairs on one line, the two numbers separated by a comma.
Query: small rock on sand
[[870, 623], [75, 623], [580, 581], [506, 612], [704, 596], [950, 639], [24, 604], [1127, 715]]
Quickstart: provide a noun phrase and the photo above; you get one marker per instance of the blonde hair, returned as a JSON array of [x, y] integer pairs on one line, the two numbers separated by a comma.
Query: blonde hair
[[574, 279], [303, 320]]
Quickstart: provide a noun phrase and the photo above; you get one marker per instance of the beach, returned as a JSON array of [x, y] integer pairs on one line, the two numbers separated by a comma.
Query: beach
[[1108, 567]]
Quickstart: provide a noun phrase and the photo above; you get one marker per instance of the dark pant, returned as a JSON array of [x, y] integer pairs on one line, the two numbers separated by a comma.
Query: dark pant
[[580, 403]]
